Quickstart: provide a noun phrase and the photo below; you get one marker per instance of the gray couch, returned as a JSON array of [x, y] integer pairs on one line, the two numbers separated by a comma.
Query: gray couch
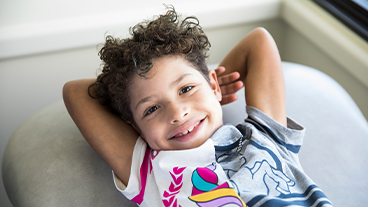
[[47, 162]]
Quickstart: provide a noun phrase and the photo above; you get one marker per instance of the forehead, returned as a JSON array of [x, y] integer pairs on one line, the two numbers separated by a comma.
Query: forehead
[[166, 69], [164, 73]]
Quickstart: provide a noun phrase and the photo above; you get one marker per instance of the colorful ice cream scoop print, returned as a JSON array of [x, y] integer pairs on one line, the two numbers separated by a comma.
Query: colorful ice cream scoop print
[[208, 193]]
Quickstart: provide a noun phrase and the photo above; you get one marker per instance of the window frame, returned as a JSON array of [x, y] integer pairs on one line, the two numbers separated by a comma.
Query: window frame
[[350, 13]]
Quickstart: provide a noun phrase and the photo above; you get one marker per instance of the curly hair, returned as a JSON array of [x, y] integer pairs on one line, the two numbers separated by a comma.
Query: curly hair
[[150, 40]]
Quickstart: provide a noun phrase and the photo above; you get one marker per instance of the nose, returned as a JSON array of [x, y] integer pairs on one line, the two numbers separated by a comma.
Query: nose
[[177, 112]]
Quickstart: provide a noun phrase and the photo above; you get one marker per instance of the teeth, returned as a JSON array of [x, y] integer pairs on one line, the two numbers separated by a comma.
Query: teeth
[[187, 131]]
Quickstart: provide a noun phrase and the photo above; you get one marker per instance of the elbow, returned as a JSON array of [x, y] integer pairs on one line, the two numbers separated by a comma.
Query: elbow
[[262, 33], [73, 90], [67, 92], [76, 91], [261, 29]]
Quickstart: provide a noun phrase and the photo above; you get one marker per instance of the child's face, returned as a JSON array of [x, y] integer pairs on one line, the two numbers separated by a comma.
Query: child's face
[[176, 107]]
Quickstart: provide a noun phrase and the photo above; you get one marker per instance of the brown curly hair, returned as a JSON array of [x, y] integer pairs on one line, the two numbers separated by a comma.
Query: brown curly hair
[[150, 40]]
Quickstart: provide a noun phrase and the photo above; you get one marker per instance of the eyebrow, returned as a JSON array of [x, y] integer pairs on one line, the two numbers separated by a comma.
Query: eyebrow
[[174, 83], [143, 101]]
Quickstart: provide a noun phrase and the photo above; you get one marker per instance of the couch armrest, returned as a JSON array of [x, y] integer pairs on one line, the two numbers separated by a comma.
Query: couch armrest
[[47, 162]]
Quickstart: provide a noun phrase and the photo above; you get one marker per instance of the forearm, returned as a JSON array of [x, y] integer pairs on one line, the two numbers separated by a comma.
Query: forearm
[[257, 59], [250, 52], [111, 137]]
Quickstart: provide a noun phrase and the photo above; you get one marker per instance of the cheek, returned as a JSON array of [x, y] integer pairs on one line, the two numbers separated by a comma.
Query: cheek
[[152, 131], [208, 98], [211, 103]]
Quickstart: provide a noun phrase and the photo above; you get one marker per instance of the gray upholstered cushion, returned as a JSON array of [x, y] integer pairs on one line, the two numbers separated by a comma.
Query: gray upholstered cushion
[[47, 162]]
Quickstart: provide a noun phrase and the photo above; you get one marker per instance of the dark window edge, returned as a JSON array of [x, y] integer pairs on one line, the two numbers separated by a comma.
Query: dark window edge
[[349, 13]]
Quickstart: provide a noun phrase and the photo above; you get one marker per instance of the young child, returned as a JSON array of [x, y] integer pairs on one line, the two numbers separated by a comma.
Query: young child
[[157, 81]]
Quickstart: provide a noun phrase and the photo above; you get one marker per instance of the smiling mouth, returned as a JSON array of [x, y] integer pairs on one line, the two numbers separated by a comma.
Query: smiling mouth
[[188, 130]]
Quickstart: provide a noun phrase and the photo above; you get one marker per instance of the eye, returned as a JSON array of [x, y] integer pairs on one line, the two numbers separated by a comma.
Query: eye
[[151, 110], [186, 89]]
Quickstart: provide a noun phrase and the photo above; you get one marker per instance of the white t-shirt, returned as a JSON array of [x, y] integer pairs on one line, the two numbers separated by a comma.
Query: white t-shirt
[[177, 178]]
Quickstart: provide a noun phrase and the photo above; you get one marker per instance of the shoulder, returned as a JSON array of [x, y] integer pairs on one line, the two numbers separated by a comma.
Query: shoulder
[[289, 137]]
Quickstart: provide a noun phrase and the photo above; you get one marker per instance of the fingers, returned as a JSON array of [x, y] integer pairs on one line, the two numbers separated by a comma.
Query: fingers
[[228, 92], [231, 88], [228, 99], [229, 84], [220, 70], [227, 79]]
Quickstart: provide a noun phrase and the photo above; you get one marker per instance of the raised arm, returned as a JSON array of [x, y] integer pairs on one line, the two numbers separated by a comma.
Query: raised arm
[[257, 59], [111, 137]]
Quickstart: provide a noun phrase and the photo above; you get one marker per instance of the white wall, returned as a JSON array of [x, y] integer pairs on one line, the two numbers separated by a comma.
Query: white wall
[[44, 26]]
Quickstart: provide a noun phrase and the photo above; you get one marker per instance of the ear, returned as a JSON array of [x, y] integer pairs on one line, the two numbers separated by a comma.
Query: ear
[[136, 128], [215, 84]]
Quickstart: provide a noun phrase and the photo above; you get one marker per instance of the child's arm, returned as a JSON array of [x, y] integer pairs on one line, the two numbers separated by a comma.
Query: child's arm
[[111, 137], [257, 59]]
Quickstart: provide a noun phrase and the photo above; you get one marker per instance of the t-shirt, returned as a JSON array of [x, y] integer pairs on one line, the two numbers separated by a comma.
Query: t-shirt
[[254, 163]]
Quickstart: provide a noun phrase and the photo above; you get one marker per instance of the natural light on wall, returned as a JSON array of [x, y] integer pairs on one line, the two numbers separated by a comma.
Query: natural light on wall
[[28, 27]]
